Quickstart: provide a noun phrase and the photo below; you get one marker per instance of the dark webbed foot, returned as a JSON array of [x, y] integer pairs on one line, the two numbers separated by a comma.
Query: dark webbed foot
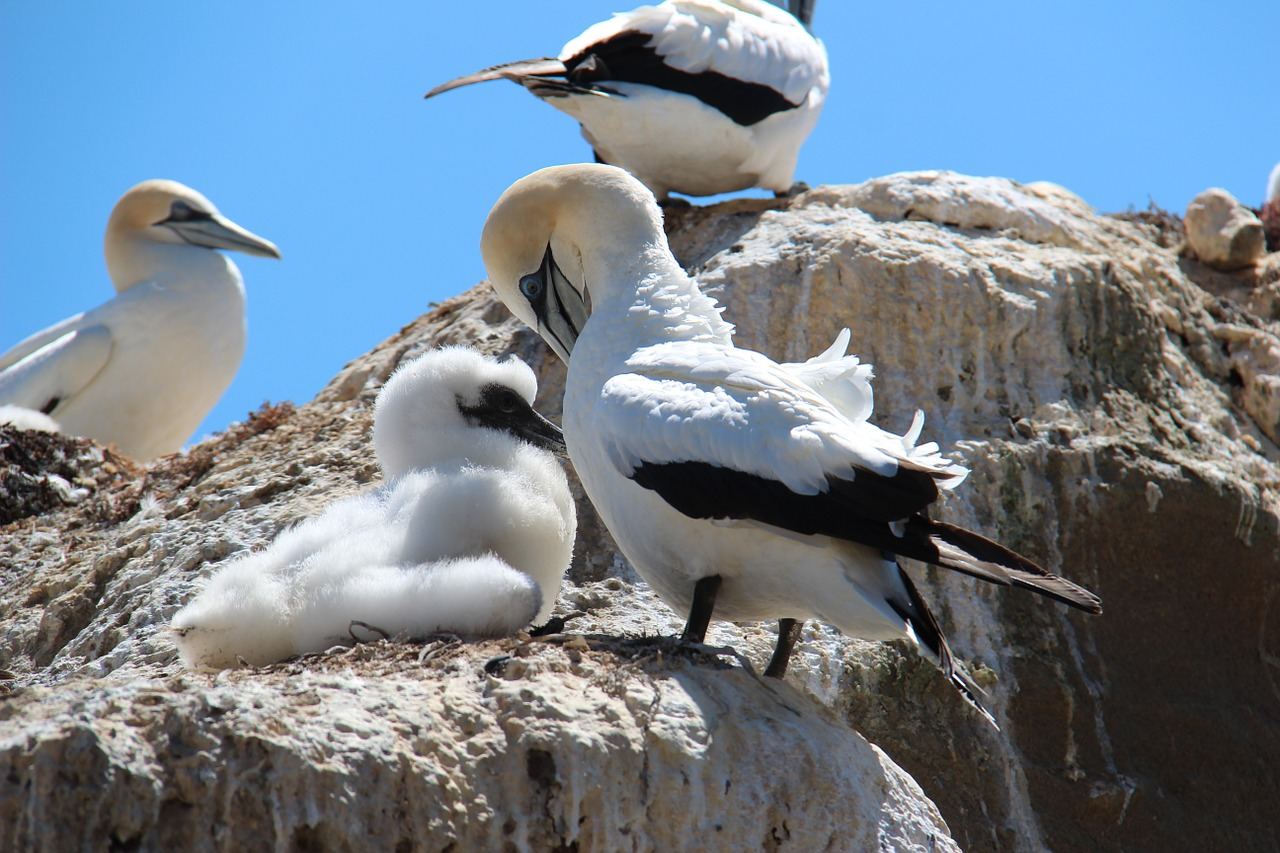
[[788, 634], [793, 191], [555, 625], [704, 601]]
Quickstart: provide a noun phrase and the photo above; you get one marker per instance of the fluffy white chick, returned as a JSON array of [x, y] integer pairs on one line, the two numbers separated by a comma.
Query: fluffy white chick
[[470, 533]]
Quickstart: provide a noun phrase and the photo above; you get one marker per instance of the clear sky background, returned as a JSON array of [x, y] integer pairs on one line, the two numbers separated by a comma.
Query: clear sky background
[[304, 122]]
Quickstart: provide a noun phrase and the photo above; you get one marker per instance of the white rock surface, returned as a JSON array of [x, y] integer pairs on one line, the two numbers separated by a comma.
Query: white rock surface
[[1114, 411], [1223, 232]]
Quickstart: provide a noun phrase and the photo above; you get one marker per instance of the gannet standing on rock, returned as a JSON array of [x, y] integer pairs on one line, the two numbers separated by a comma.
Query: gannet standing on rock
[[732, 483], [142, 370], [470, 533], [692, 96]]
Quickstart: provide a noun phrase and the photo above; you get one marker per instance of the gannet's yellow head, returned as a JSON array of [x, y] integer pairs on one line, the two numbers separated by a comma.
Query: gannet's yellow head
[[160, 211], [557, 237]]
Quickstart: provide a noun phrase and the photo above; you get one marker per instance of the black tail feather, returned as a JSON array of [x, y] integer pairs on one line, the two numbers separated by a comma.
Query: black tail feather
[[929, 634], [993, 562]]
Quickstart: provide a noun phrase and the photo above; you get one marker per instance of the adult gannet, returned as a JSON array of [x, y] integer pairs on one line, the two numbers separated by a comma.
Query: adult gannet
[[470, 532], [692, 96], [728, 480], [143, 369]]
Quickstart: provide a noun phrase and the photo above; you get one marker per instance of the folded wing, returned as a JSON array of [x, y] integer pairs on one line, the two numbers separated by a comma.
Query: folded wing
[[720, 433], [56, 371]]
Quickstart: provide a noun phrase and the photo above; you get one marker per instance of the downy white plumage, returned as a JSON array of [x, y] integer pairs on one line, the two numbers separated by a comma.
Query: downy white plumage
[[470, 533], [692, 96], [728, 480], [143, 369]]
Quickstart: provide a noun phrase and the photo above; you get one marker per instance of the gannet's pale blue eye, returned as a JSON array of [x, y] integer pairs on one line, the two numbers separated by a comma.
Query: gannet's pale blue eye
[[531, 286]]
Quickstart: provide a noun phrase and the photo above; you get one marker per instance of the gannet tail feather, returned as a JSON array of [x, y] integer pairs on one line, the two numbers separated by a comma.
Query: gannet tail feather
[[924, 628], [974, 554], [518, 72], [871, 509]]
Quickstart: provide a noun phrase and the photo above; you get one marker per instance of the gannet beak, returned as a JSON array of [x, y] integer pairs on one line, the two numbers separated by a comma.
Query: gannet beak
[[215, 231], [560, 309], [541, 432]]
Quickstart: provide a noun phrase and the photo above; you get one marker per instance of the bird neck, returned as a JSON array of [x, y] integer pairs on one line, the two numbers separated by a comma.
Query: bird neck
[[448, 448], [131, 261], [650, 296]]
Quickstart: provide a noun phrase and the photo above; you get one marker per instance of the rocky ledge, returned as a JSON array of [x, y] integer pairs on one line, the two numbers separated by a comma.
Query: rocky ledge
[[1118, 401]]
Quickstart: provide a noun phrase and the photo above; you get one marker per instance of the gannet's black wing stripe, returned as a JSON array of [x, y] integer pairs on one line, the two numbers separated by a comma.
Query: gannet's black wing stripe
[[703, 490], [856, 510], [629, 57]]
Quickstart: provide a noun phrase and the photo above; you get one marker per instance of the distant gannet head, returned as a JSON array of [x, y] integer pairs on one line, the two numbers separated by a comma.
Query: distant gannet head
[[558, 238], [454, 403], [166, 213]]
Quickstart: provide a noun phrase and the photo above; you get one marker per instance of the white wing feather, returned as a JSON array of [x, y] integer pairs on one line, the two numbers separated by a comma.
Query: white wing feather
[[685, 401], [59, 369], [841, 378]]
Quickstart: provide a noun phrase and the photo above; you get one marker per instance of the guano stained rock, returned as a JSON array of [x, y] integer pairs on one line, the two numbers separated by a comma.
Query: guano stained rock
[[1115, 402]]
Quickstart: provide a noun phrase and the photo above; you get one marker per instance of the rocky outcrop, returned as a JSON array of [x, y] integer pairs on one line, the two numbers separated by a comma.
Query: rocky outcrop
[[1111, 398], [1223, 232]]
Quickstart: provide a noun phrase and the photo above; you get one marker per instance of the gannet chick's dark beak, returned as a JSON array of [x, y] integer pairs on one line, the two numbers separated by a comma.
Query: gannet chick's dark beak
[[212, 230], [501, 408]]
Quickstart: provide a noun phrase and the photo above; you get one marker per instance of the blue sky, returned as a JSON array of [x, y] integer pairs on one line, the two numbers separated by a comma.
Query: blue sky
[[304, 122]]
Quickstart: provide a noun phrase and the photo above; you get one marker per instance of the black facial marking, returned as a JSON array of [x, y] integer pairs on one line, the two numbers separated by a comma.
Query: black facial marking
[[501, 408], [180, 211], [629, 57], [47, 408], [561, 310]]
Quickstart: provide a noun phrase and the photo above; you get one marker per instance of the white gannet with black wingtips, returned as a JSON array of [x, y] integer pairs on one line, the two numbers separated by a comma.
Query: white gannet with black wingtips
[[692, 96], [143, 369], [470, 533], [729, 481]]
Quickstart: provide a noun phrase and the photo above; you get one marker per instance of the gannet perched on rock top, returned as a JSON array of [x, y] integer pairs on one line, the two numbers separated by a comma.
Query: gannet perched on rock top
[[692, 96], [728, 480], [142, 370], [470, 533]]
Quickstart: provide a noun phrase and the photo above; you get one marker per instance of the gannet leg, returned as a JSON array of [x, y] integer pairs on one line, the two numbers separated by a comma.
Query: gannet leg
[[788, 634], [704, 601]]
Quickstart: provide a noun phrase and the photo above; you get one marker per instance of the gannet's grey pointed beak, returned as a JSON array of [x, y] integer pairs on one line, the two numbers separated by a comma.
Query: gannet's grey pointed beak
[[217, 232]]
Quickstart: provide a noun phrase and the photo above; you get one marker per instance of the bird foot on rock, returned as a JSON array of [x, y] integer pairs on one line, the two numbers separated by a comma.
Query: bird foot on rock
[[437, 644], [792, 191], [356, 623], [555, 625]]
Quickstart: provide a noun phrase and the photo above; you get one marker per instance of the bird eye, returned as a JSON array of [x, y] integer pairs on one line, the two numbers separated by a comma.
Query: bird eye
[[508, 402], [531, 286], [180, 211]]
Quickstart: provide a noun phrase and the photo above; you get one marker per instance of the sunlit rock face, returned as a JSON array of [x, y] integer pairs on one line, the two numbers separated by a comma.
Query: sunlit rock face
[[1116, 404]]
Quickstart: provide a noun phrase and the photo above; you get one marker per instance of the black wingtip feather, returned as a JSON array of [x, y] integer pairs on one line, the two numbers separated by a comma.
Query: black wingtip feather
[[929, 634], [1020, 571]]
